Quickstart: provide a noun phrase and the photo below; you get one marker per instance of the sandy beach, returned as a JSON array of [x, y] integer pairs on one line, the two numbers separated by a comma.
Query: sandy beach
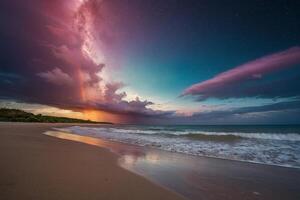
[[36, 166], [39, 162], [197, 177]]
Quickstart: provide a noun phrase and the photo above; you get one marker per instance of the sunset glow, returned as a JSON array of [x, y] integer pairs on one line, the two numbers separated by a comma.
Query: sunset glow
[[153, 63]]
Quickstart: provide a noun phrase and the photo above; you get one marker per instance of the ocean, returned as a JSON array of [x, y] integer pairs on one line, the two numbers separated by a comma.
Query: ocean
[[265, 144]]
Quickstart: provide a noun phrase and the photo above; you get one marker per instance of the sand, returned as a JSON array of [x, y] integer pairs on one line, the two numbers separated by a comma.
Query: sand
[[198, 177], [36, 166]]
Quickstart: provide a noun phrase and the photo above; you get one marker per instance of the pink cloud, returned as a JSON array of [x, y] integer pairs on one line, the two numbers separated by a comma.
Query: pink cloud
[[252, 70], [56, 76], [75, 45]]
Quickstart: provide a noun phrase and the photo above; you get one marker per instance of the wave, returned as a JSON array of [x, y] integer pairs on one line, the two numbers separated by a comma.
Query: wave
[[235, 136], [268, 148], [197, 134], [224, 138]]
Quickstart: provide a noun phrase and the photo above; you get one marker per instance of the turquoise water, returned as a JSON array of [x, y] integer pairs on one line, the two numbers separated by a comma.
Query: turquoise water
[[265, 144]]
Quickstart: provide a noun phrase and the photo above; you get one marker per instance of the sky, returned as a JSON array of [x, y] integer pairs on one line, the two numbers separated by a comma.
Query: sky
[[153, 61]]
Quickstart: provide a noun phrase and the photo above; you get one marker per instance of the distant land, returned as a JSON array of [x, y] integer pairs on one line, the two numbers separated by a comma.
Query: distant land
[[15, 115]]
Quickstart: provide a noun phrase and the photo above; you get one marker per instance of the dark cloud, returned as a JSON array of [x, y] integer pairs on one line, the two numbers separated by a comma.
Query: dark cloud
[[56, 76], [274, 113], [252, 112]]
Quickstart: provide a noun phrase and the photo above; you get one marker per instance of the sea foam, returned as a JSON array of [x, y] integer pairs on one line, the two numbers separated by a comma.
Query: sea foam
[[267, 148]]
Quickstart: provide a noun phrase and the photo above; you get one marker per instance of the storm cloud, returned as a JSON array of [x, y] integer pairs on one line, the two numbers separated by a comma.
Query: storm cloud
[[58, 55]]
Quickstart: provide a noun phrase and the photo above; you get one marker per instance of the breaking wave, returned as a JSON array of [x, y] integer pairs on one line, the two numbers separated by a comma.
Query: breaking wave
[[269, 147]]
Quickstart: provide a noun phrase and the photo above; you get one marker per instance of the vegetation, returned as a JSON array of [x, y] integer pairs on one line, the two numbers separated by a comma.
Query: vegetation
[[14, 115]]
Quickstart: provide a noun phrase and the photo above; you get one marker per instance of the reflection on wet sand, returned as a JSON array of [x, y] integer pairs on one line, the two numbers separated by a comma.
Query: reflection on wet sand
[[200, 177], [118, 148]]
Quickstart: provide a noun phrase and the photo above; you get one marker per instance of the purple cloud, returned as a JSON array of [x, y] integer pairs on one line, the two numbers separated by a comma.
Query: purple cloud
[[56, 76], [228, 83], [72, 35]]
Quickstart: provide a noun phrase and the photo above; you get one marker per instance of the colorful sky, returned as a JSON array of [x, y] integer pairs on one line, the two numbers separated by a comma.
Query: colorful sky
[[153, 61]]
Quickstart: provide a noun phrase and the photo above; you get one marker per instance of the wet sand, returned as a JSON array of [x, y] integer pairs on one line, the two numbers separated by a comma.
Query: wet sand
[[36, 166], [201, 177]]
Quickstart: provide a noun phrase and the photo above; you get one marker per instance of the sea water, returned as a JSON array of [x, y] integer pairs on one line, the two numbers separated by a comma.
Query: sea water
[[265, 144]]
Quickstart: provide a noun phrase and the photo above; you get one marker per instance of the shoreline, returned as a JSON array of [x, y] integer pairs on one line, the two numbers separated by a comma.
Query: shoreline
[[131, 172], [182, 152], [187, 154], [170, 169], [36, 166]]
